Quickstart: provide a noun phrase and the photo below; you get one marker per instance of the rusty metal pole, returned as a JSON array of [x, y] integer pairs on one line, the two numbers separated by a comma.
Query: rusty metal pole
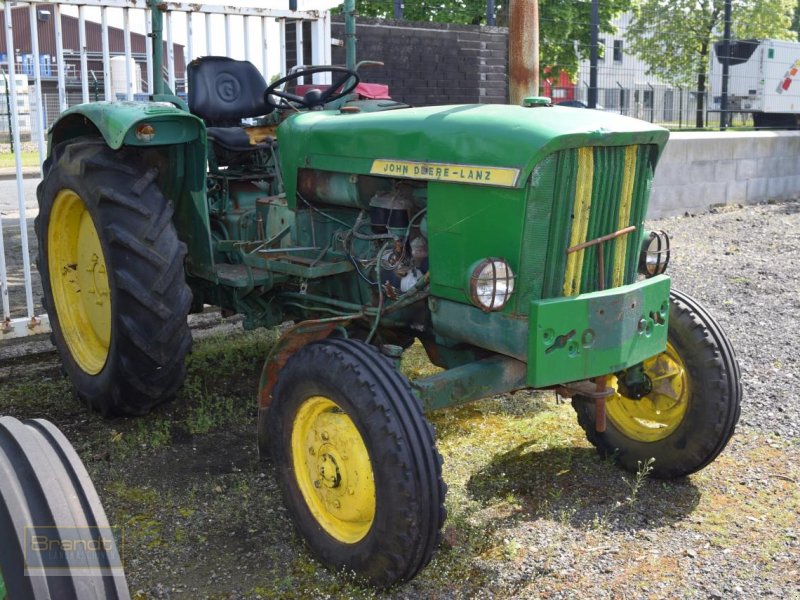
[[523, 50]]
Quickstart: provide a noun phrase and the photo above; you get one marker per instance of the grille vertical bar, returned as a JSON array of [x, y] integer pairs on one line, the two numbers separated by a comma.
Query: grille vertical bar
[[598, 190], [625, 201], [580, 223]]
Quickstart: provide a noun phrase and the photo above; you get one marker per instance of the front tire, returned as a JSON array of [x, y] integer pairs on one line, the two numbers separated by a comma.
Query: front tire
[[113, 279], [357, 461], [692, 410], [46, 492]]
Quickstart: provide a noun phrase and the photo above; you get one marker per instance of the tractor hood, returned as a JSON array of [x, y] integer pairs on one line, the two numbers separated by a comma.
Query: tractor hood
[[482, 135]]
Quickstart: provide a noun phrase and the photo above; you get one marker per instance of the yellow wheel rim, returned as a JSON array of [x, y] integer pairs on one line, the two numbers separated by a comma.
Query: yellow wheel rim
[[79, 281], [333, 470], [657, 415]]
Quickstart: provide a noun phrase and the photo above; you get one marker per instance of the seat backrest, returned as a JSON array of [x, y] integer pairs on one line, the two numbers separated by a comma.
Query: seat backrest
[[223, 91]]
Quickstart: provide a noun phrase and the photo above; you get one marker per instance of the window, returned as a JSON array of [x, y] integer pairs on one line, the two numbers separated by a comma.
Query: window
[[617, 50]]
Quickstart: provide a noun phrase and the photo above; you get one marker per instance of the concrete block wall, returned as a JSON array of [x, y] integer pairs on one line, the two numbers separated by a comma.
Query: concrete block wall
[[432, 63], [700, 170]]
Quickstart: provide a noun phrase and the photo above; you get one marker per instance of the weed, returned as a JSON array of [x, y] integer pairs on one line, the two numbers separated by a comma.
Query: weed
[[643, 471]]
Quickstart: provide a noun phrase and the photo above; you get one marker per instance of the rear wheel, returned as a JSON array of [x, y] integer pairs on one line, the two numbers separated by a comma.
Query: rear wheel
[[357, 461], [56, 540], [690, 413], [113, 279]]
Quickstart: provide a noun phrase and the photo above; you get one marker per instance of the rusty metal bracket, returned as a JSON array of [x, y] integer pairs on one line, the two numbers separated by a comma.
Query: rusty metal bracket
[[290, 342], [591, 389], [601, 275], [588, 388]]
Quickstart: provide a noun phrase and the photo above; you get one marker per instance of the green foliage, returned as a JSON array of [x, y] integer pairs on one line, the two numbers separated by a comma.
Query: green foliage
[[564, 30], [674, 37]]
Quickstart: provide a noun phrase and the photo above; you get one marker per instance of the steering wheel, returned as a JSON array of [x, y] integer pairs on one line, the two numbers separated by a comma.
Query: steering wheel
[[313, 97]]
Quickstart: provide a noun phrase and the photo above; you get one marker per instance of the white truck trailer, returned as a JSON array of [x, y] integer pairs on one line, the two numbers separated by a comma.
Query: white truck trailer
[[764, 79]]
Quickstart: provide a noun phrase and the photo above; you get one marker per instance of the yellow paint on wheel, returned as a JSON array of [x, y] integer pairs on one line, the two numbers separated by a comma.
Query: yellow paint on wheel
[[657, 415], [79, 281], [332, 469]]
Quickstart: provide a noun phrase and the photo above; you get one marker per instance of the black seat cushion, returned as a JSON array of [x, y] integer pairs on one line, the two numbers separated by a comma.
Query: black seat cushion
[[223, 91], [234, 139]]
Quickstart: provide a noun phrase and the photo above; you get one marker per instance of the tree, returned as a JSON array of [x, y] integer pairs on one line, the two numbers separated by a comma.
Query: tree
[[564, 32], [674, 37]]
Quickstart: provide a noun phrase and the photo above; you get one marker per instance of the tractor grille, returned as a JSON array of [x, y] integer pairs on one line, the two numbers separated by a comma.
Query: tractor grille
[[595, 191]]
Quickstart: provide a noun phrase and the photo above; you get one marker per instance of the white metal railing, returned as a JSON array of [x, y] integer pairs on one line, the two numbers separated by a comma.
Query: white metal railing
[[257, 34]]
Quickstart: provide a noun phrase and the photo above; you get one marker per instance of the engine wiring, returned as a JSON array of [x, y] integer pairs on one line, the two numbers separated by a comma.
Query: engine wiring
[[345, 238]]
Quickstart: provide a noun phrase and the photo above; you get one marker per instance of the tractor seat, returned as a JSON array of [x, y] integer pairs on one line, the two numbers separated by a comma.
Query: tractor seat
[[222, 92]]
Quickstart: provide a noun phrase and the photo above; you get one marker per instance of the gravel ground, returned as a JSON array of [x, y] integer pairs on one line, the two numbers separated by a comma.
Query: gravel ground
[[533, 512], [742, 263]]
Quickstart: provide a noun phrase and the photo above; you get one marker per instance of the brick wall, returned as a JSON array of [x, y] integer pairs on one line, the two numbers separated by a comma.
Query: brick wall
[[432, 63]]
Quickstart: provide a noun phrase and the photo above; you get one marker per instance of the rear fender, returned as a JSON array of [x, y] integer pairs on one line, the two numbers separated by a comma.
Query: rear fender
[[172, 140]]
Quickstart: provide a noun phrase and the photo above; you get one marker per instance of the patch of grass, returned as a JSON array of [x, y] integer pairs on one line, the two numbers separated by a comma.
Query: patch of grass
[[222, 378], [29, 159], [35, 397]]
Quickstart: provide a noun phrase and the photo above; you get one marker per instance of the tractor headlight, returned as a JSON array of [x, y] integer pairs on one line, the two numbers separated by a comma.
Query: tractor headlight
[[491, 284], [654, 256]]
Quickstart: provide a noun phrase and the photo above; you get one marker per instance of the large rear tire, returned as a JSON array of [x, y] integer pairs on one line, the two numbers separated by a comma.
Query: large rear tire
[[357, 461], [48, 503], [692, 410], [113, 278]]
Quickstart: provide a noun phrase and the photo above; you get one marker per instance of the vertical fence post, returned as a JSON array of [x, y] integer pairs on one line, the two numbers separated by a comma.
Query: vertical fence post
[[298, 28], [208, 35], [398, 9], [83, 52], [37, 73], [106, 55], [23, 223], [170, 53], [227, 35], [490, 12], [319, 43], [246, 31], [126, 33], [282, 64], [726, 50], [8, 110], [148, 48], [264, 50], [3, 274], [188, 52], [62, 68], [594, 54]]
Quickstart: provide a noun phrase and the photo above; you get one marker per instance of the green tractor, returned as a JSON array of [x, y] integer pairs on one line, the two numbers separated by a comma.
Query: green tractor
[[509, 240]]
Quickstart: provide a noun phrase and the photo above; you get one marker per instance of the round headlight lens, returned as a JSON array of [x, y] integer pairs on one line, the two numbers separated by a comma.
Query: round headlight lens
[[491, 284], [655, 254]]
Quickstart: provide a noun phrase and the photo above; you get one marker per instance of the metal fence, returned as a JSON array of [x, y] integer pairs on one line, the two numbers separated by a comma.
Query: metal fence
[[56, 55]]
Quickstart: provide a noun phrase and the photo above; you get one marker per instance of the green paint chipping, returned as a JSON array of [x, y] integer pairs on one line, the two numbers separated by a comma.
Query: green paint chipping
[[585, 336]]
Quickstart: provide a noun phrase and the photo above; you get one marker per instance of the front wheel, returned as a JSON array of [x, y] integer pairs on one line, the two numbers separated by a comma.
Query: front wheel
[[357, 461], [690, 413], [55, 540]]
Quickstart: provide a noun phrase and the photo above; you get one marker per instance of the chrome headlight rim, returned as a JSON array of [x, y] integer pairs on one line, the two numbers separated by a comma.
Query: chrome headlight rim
[[491, 284], [655, 253]]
